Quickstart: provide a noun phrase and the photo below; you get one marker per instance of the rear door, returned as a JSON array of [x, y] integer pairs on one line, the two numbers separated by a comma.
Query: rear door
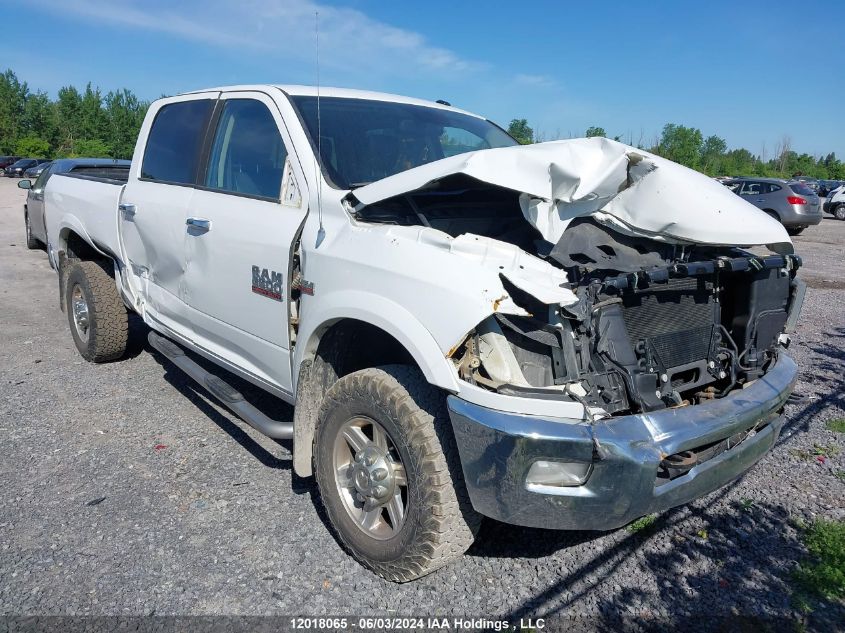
[[154, 206], [771, 196], [241, 223], [752, 191]]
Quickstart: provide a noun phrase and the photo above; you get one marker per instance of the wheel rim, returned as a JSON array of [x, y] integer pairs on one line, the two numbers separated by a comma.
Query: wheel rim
[[79, 308], [28, 230], [370, 478]]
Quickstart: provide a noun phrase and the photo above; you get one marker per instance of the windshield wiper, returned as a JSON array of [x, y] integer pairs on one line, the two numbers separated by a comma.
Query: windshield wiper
[[417, 211]]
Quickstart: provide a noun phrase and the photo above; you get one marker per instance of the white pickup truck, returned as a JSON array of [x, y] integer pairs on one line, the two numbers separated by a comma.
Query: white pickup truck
[[566, 335]]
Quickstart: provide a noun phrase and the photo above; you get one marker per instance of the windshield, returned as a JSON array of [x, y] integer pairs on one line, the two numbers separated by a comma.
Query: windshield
[[364, 141]]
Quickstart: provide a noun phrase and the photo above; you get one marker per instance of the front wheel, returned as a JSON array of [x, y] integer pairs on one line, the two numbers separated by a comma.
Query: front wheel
[[796, 231], [31, 242], [389, 473], [97, 317], [839, 212]]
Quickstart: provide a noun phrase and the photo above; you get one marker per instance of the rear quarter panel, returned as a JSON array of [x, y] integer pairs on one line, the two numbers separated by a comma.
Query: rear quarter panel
[[86, 207]]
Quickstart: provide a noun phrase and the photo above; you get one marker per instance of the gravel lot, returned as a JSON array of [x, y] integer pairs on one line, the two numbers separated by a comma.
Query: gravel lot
[[202, 515]]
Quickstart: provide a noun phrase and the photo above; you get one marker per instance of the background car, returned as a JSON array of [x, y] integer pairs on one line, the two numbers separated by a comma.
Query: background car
[[835, 203], [5, 161], [16, 169], [33, 208], [812, 183], [35, 172], [826, 186], [793, 204]]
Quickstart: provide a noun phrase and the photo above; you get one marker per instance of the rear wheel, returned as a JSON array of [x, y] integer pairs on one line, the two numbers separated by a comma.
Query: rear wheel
[[97, 317], [31, 242], [796, 231], [839, 212], [389, 473]]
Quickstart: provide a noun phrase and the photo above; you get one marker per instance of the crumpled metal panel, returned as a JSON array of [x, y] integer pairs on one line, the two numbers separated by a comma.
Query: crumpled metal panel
[[631, 189]]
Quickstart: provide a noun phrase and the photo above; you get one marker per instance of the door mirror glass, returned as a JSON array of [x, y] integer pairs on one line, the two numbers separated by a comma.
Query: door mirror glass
[[25, 184]]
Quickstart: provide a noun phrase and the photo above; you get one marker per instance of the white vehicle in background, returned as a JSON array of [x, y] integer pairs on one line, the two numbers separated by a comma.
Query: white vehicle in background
[[565, 335], [835, 203]]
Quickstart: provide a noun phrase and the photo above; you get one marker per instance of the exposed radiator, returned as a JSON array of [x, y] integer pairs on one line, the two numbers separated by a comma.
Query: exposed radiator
[[676, 319]]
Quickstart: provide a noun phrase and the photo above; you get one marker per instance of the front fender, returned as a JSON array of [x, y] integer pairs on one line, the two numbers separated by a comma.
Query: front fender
[[319, 315]]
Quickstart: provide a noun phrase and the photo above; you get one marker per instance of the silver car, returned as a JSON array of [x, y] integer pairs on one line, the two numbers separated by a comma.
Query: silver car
[[33, 209], [792, 203]]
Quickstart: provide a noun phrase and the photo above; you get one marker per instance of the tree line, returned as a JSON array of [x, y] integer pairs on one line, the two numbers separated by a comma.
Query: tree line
[[90, 123], [77, 123], [710, 155]]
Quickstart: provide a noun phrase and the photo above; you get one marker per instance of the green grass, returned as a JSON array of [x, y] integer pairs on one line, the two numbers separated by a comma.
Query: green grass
[[837, 425], [822, 574], [840, 474], [825, 450], [643, 524]]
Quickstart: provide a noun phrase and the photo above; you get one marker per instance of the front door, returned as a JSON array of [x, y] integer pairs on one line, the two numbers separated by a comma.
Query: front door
[[154, 206], [241, 224]]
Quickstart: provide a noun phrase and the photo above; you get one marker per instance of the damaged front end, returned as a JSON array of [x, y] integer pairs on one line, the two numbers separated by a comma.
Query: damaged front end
[[656, 325], [631, 358], [625, 280]]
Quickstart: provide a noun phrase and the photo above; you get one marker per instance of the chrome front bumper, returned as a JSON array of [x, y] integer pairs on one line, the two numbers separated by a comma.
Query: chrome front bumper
[[497, 449]]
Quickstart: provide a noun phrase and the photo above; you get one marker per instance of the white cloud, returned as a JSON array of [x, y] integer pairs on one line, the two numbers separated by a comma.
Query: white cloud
[[542, 81], [350, 41]]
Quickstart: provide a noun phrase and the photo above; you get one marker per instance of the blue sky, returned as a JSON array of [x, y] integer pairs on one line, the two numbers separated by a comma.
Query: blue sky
[[752, 72]]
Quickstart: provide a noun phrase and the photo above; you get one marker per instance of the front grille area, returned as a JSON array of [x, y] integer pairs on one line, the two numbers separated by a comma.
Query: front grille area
[[675, 320]]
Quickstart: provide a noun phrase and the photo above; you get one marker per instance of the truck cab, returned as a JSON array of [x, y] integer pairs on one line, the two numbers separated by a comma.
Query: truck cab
[[556, 335]]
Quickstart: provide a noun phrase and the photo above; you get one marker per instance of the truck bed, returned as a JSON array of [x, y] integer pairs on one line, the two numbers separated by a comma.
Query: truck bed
[[86, 203], [112, 174]]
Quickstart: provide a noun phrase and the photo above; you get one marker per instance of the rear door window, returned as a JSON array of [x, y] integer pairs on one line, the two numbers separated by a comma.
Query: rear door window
[[751, 189], [770, 187], [174, 141], [248, 154]]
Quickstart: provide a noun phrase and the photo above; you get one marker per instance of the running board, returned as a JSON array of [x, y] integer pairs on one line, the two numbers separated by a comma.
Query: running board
[[223, 391]]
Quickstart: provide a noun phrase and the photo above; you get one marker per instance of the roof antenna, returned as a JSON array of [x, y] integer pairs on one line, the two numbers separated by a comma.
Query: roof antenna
[[321, 233]]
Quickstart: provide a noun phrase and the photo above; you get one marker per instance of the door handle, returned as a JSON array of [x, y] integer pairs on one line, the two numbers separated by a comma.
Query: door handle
[[128, 210], [199, 223], [760, 200]]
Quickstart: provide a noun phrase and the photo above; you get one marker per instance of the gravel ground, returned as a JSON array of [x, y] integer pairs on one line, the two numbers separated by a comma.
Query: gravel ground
[[126, 492]]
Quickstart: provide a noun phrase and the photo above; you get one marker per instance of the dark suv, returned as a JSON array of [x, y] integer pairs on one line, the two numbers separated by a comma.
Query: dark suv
[[16, 169]]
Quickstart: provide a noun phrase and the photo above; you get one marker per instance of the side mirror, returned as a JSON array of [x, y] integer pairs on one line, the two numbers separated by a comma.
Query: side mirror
[[24, 184]]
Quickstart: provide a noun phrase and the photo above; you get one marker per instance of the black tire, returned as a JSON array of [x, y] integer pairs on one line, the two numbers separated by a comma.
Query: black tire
[[839, 212], [439, 524], [31, 242], [107, 332], [796, 231]]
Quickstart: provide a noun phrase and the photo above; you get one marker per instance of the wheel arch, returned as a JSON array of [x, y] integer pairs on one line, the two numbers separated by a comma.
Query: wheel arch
[[74, 243], [358, 339]]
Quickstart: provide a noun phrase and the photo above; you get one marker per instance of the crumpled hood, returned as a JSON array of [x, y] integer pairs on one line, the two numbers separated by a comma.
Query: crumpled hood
[[633, 190]]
